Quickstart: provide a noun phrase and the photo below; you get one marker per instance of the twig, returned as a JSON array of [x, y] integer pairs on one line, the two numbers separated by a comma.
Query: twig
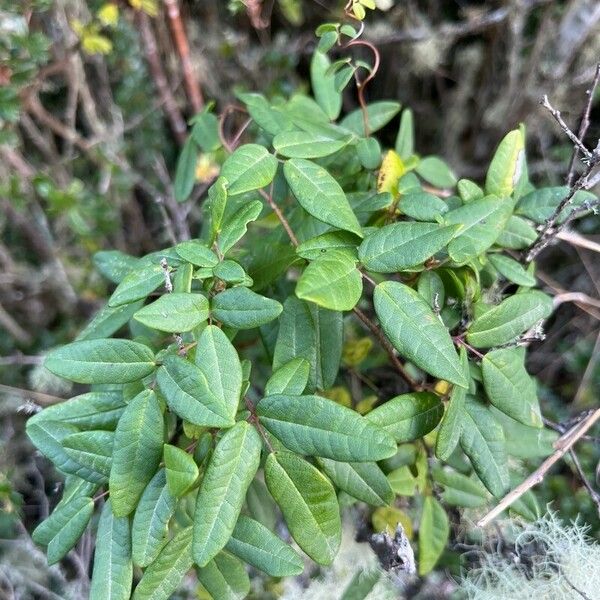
[[576, 239], [562, 445], [254, 419], [183, 50], [13, 328], [284, 222], [38, 397], [588, 486]]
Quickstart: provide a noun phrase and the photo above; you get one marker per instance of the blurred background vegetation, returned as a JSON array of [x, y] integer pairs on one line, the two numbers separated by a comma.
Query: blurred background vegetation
[[95, 101]]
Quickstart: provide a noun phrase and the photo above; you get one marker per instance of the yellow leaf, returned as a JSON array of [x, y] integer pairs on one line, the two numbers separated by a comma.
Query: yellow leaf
[[192, 430], [206, 169], [150, 7], [366, 405], [359, 11], [93, 43], [441, 387], [392, 168], [355, 351], [340, 395], [108, 14], [387, 518]]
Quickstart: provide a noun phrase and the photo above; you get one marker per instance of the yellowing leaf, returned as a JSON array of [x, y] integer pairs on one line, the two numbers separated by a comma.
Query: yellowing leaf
[[387, 518], [355, 351], [108, 14], [206, 169], [366, 404], [441, 387], [95, 44], [150, 7], [339, 394], [392, 168]]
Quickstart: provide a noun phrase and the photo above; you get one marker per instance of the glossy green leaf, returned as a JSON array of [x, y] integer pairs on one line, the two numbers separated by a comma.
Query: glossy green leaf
[[231, 469], [137, 452], [189, 393], [162, 578], [63, 528], [230, 271], [540, 205], [405, 140], [449, 432], [313, 333], [185, 173], [101, 361], [320, 194], [174, 312], [182, 470], [114, 264], [509, 387], [108, 320], [512, 270], [340, 241], [331, 281], [409, 416], [507, 165], [290, 379], [92, 449], [378, 114], [197, 253], [151, 519], [241, 308], [362, 480], [436, 172], [399, 246], [512, 317], [235, 227], [249, 168], [113, 570], [416, 332], [460, 490], [302, 144], [225, 578], [138, 284], [482, 440], [422, 206], [321, 427], [308, 503], [94, 410], [215, 205], [323, 85], [255, 544], [434, 530], [482, 221]]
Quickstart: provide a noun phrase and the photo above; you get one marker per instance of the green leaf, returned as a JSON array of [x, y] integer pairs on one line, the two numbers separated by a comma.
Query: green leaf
[[290, 379], [61, 531], [185, 173], [302, 144], [449, 432], [341, 241], [405, 140], [523, 441], [482, 221], [137, 451], [517, 234], [402, 481], [189, 394], [431, 287], [511, 270], [416, 332], [331, 281], [323, 85], [320, 194], [261, 505], [362, 480], [308, 503], [114, 264], [255, 544], [235, 227], [268, 117], [241, 308], [436, 172], [197, 253], [230, 271], [513, 316], [313, 333], [378, 114], [174, 312], [460, 490], [94, 410], [225, 578], [507, 165], [113, 570], [422, 206], [205, 131], [231, 468], [468, 190], [92, 449], [138, 284], [398, 246], [320, 427], [151, 519], [434, 530], [249, 168], [509, 387], [162, 578], [369, 153], [409, 416], [101, 361], [540, 205], [182, 470], [216, 204], [108, 320], [482, 440]]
